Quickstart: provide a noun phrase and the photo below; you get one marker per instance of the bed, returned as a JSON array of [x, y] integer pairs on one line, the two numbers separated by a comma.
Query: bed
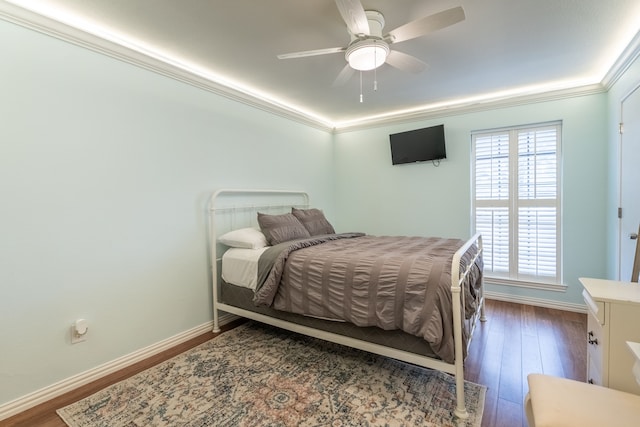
[[366, 292]]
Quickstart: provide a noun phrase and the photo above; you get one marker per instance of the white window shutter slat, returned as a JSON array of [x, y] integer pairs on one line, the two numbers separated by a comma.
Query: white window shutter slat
[[516, 188]]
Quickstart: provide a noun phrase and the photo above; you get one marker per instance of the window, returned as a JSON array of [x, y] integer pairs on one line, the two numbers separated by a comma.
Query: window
[[516, 203]]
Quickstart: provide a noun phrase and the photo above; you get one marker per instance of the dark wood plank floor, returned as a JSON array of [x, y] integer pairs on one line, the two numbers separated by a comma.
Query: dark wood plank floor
[[515, 341]]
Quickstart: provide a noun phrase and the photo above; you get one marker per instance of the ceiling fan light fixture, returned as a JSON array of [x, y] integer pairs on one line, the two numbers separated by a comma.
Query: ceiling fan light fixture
[[367, 54]]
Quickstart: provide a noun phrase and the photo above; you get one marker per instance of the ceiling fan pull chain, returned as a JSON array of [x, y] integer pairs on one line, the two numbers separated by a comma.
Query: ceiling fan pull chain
[[360, 86]]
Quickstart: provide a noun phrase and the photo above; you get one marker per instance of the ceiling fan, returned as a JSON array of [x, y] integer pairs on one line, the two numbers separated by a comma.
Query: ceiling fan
[[369, 47]]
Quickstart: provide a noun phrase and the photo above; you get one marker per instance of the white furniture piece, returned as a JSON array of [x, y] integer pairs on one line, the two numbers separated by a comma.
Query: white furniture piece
[[560, 402], [635, 350], [613, 319]]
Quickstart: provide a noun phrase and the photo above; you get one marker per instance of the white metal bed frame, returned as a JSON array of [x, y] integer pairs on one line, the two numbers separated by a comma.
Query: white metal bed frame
[[300, 199]]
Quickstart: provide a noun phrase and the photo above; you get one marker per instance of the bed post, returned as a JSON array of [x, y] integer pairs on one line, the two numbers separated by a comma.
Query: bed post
[[457, 306], [461, 409], [483, 317], [214, 260]]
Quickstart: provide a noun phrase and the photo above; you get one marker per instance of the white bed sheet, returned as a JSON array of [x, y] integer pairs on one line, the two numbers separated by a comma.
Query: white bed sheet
[[240, 266]]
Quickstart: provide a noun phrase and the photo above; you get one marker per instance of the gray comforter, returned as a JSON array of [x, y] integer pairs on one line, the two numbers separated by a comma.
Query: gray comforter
[[389, 282]]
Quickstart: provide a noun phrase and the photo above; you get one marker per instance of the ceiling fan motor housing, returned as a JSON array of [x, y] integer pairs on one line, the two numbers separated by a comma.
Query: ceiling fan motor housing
[[368, 51], [376, 23]]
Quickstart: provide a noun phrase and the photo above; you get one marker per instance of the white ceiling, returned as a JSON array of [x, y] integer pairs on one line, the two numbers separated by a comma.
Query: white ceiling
[[504, 48]]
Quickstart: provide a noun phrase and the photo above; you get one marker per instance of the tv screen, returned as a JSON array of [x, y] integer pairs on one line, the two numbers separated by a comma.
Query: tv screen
[[418, 145]]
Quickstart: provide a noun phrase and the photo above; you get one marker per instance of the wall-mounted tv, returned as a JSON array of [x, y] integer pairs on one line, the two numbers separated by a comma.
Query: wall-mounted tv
[[418, 145]]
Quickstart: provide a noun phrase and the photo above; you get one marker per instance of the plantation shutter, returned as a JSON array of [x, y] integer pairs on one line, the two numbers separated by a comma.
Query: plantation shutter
[[516, 203], [537, 202], [492, 199]]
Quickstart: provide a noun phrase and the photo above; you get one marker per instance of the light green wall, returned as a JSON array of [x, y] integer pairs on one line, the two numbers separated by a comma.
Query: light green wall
[[105, 170], [378, 198]]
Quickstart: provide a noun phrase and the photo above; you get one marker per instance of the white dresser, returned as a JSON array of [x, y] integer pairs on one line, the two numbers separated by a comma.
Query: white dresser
[[613, 319]]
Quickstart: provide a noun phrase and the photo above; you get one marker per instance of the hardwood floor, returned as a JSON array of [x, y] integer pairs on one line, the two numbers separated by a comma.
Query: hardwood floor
[[515, 341]]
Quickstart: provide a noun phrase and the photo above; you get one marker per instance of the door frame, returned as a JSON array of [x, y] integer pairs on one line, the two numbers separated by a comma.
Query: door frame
[[634, 89]]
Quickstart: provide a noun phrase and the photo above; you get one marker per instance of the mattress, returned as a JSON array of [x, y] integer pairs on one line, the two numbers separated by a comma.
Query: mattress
[[240, 266], [242, 297]]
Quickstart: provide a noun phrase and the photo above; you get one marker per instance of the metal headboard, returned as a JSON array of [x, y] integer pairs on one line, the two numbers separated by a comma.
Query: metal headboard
[[230, 209]]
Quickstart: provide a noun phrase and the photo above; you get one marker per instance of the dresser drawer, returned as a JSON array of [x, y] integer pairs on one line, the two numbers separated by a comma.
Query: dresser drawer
[[613, 316], [595, 341], [594, 372], [596, 308]]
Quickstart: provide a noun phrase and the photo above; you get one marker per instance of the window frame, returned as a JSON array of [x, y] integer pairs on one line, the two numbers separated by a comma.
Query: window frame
[[513, 203]]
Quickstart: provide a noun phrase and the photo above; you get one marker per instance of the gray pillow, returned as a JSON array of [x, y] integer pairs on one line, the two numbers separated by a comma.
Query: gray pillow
[[314, 221], [281, 228]]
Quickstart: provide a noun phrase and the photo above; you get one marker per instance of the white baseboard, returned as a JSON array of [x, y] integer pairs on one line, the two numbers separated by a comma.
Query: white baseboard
[[54, 390], [539, 302]]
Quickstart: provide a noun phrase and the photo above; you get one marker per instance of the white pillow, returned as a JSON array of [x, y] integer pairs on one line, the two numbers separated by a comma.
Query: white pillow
[[248, 238]]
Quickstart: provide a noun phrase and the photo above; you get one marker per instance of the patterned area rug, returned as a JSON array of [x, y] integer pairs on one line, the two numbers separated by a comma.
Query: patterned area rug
[[256, 375]]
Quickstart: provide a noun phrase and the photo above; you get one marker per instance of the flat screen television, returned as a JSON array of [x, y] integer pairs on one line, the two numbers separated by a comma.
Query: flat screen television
[[419, 145]]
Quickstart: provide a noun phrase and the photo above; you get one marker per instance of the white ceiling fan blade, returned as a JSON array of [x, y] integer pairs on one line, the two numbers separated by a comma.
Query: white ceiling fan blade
[[406, 62], [343, 76], [311, 52], [426, 25], [354, 16]]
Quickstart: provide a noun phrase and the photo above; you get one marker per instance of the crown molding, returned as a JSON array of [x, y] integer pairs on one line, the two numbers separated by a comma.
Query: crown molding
[[42, 24], [474, 107], [625, 60], [51, 27]]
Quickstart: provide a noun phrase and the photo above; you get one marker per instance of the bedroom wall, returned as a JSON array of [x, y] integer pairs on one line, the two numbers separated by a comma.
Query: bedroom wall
[[378, 198], [105, 171]]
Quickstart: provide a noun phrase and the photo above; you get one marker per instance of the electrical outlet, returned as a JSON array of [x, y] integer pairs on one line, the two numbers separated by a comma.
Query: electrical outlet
[[75, 337], [79, 331]]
